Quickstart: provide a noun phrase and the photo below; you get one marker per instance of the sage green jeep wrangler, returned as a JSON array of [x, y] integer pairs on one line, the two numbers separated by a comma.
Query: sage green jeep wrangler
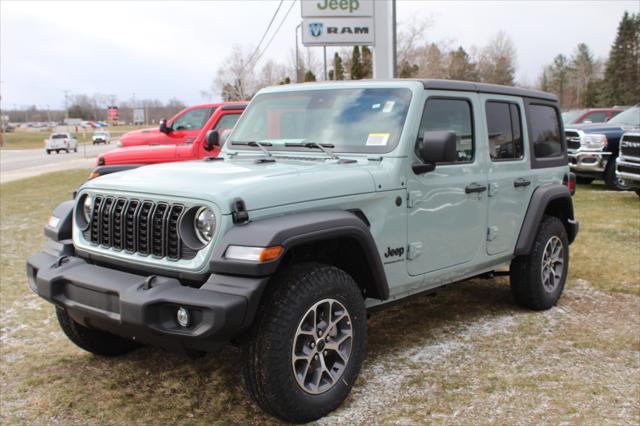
[[328, 199]]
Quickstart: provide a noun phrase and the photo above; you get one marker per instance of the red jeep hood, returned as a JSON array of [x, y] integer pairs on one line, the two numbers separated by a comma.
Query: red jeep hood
[[140, 135], [143, 154]]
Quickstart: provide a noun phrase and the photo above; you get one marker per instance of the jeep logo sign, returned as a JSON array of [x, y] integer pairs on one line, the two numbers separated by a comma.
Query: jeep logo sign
[[337, 8], [337, 31]]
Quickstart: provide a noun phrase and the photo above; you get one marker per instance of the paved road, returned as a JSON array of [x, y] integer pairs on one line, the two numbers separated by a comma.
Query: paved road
[[20, 164]]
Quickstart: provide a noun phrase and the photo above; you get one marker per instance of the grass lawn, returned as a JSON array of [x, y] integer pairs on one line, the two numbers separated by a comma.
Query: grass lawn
[[466, 356], [34, 140]]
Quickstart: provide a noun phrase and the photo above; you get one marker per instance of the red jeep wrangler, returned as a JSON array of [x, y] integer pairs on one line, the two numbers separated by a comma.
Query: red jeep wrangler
[[224, 118], [183, 127]]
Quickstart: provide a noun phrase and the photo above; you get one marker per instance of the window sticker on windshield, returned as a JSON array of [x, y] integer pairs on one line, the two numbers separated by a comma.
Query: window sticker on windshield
[[377, 139], [375, 106], [388, 106]]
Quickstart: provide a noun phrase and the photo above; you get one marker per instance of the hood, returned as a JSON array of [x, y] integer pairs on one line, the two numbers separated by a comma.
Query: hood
[[599, 128], [260, 185], [141, 154], [140, 135]]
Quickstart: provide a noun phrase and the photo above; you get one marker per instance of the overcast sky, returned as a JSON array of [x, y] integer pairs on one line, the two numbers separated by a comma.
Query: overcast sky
[[165, 49]]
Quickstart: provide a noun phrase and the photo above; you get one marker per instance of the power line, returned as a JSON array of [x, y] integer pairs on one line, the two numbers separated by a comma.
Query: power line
[[266, 31], [277, 29]]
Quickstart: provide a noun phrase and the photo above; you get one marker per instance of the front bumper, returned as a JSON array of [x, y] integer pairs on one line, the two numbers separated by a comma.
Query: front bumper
[[588, 161], [628, 170], [144, 307]]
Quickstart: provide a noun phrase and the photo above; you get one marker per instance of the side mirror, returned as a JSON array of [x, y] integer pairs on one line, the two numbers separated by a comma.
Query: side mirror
[[211, 140], [164, 128], [437, 146]]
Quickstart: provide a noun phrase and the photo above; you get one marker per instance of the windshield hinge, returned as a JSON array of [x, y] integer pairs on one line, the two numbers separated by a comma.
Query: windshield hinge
[[239, 211]]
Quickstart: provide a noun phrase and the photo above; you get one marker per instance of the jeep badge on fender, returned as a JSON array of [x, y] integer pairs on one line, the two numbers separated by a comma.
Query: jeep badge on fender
[[153, 255]]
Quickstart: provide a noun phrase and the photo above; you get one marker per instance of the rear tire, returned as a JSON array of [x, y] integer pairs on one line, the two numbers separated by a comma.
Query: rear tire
[[91, 340], [584, 180], [304, 352], [610, 179], [538, 279]]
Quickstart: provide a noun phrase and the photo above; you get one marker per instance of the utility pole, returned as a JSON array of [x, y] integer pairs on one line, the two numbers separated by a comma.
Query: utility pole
[[66, 104], [324, 49], [297, 55]]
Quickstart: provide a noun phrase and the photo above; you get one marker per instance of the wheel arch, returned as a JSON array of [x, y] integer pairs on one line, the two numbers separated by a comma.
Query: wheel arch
[[552, 200], [340, 238]]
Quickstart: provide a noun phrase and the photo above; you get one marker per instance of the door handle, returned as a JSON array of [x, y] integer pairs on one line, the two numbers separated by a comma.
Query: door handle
[[521, 182], [474, 187]]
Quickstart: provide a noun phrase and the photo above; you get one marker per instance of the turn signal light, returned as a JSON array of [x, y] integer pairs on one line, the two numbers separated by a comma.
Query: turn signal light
[[254, 254]]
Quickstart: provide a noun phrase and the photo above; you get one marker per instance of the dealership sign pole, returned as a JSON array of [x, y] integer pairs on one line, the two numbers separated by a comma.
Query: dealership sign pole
[[353, 23]]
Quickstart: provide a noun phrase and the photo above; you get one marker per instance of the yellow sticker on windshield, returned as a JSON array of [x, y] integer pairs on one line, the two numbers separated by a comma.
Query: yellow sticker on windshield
[[378, 139]]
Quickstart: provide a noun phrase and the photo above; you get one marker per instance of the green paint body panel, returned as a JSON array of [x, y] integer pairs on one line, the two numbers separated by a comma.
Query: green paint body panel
[[448, 235]]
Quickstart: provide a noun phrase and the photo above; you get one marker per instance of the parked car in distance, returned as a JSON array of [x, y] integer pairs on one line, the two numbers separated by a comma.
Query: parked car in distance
[[329, 199], [628, 161], [181, 128], [593, 148], [592, 115], [224, 118], [60, 142], [101, 136]]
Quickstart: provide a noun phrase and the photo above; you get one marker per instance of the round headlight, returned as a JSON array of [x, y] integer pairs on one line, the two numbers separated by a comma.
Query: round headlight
[[86, 208], [205, 224]]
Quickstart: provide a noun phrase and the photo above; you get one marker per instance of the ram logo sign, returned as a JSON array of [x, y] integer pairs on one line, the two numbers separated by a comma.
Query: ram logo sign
[[315, 29], [338, 31]]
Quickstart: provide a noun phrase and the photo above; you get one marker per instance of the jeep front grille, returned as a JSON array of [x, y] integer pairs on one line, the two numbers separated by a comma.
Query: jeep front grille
[[138, 226], [573, 139], [630, 145]]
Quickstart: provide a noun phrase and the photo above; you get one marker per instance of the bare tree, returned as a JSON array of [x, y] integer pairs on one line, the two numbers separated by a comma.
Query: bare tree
[[497, 62], [236, 79]]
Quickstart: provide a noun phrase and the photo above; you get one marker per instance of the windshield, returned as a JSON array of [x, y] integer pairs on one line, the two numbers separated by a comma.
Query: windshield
[[59, 136], [349, 120], [630, 117], [570, 116]]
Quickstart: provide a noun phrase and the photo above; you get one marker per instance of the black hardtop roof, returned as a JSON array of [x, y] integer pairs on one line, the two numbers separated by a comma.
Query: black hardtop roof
[[470, 86]]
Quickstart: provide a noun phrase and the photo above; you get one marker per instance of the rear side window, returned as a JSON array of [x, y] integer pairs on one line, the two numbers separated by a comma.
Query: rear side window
[[596, 117], [505, 134], [453, 115], [544, 131]]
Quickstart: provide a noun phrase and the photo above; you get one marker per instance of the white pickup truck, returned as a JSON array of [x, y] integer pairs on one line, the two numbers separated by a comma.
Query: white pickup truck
[[60, 142]]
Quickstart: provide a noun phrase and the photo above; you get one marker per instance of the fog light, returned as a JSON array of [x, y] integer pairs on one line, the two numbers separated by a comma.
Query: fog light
[[183, 317]]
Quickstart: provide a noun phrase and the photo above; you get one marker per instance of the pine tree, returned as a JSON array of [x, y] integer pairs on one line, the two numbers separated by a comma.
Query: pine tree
[[367, 63], [338, 67], [622, 73], [461, 67], [559, 70], [356, 64], [309, 76], [581, 69]]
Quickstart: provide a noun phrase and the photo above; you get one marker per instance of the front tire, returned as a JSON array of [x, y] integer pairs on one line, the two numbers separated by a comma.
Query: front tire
[[304, 352], [610, 179], [538, 279], [91, 340]]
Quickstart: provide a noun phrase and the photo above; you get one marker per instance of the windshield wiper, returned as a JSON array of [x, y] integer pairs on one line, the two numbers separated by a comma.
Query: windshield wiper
[[260, 145], [323, 147]]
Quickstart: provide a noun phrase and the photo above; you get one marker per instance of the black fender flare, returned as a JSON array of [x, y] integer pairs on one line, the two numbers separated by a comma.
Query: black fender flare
[[541, 199], [107, 170], [62, 228], [292, 230]]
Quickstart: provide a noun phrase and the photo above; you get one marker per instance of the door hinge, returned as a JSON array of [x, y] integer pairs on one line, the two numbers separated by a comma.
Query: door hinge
[[493, 189], [492, 233], [414, 250], [411, 197]]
